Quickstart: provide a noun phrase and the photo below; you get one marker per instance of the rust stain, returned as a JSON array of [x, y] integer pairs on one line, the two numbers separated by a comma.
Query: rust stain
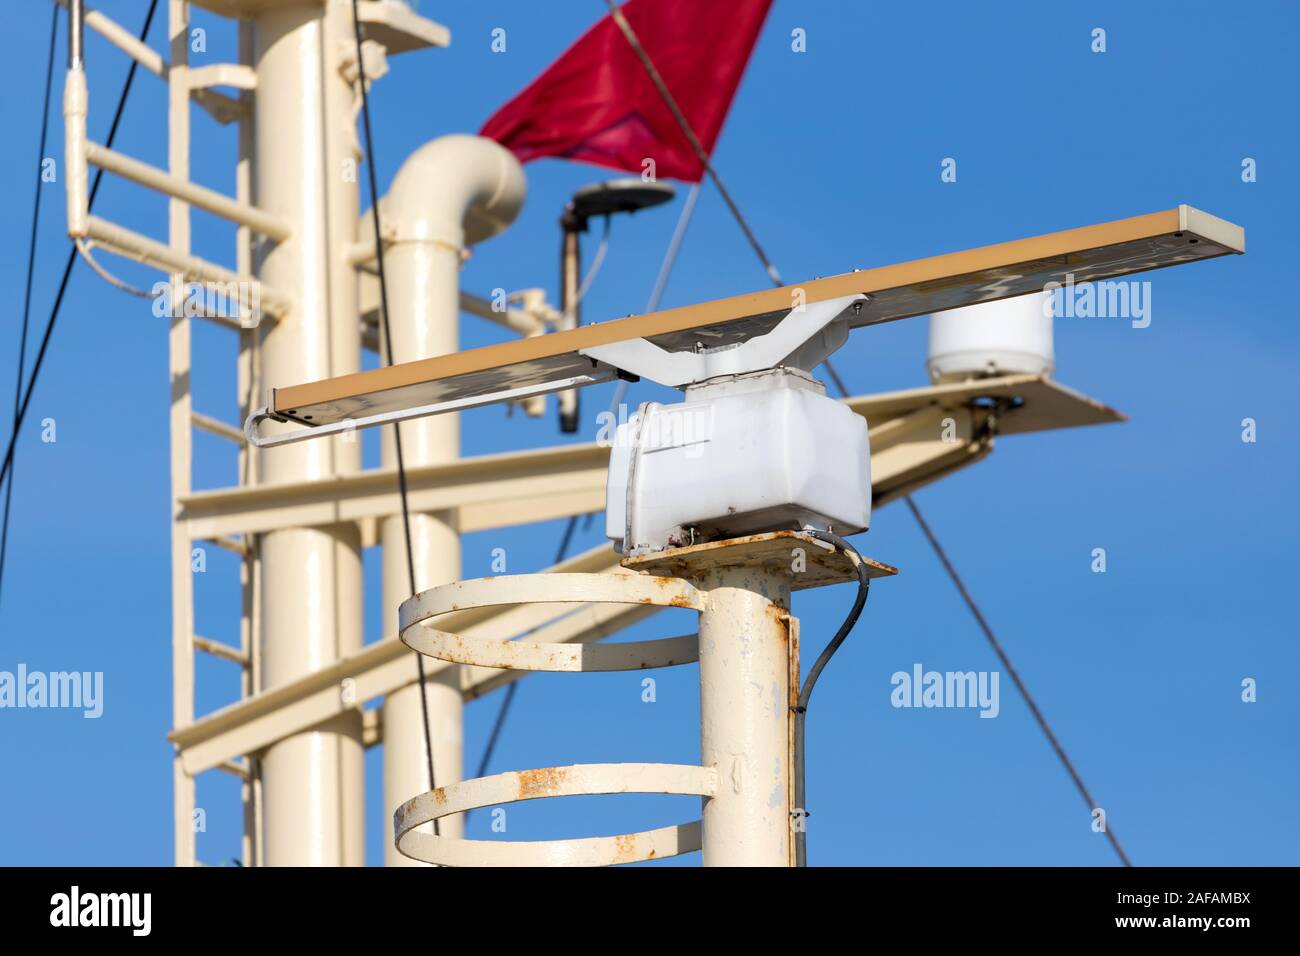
[[625, 848], [540, 783]]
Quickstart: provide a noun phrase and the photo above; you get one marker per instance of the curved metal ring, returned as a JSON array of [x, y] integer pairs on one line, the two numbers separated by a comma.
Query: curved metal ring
[[549, 589], [577, 780]]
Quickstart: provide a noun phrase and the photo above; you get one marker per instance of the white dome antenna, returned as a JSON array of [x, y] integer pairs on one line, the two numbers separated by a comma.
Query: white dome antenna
[[1006, 337]]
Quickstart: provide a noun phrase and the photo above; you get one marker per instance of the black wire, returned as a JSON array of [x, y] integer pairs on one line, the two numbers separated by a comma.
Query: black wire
[[859, 601], [1015, 675], [388, 348], [805, 694], [496, 731], [67, 272], [566, 538], [31, 268]]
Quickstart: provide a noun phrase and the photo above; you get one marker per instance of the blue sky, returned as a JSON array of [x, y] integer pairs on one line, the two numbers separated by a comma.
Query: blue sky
[[835, 156]]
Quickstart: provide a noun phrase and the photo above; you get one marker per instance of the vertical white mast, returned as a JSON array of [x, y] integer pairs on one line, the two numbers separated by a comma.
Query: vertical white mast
[[313, 783]]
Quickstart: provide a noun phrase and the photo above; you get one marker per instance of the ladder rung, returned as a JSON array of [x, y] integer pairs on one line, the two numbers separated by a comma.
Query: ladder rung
[[132, 245], [238, 75], [233, 545], [164, 182], [120, 37], [234, 768], [216, 427], [218, 649]]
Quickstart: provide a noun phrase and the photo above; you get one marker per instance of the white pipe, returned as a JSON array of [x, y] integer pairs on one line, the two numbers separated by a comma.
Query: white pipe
[[458, 190], [745, 716], [75, 102], [516, 320], [450, 193], [311, 614]]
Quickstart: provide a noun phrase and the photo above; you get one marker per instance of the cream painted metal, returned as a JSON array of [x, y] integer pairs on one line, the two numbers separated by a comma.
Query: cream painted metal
[[247, 370], [114, 162], [299, 50], [445, 801], [749, 680], [578, 780], [919, 435], [172, 257], [746, 660], [179, 426], [249, 726], [513, 589], [509, 488], [749, 671], [286, 41], [292, 522], [448, 194], [312, 783]]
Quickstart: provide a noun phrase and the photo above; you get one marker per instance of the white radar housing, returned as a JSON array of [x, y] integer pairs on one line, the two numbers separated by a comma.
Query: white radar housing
[[1007, 337], [743, 454]]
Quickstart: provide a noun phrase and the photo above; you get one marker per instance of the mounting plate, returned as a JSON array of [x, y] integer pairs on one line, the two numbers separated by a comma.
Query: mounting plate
[[824, 565]]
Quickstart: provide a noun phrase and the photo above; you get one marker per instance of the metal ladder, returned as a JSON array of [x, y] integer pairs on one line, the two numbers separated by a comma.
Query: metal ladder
[[187, 86]]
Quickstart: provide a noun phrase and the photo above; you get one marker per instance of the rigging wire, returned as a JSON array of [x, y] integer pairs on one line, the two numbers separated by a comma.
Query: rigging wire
[[594, 269], [31, 268], [1015, 675], [42, 350], [22, 400], [388, 348], [635, 42], [667, 97], [849, 551], [684, 125], [661, 281]]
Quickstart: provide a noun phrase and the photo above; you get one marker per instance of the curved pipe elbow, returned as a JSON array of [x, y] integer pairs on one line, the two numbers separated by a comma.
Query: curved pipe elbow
[[456, 189]]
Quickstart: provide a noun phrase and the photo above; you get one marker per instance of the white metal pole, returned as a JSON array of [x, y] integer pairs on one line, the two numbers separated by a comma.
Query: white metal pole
[[423, 294], [313, 783], [449, 193], [178, 366], [745, 716]]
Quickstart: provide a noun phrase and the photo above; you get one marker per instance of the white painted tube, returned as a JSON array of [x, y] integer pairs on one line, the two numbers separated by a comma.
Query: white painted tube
[[450, 193], [745, 719], [75, 104]]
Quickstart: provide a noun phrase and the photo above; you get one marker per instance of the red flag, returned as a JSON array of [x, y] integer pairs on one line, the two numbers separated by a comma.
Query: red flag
[[596, 103]]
